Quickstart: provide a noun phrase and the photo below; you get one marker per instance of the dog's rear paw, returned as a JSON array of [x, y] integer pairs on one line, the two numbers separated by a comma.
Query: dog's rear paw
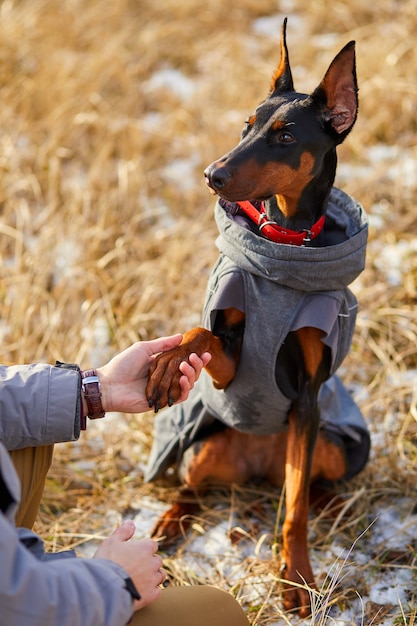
[[326, 503], [174, 523]]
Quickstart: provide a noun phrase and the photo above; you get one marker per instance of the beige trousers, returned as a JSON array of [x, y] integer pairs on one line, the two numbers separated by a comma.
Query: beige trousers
[[197, 605], [32, 465], [176, 606]]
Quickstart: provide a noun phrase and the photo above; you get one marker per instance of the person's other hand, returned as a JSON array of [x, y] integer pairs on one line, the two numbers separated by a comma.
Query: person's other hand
[[138, 559]]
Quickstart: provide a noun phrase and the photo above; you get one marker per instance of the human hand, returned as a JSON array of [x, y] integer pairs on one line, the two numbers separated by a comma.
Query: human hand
[[138, 559], [123, 379]]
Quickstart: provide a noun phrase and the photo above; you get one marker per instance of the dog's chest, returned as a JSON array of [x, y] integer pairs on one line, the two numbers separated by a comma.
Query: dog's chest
[[253, 402]]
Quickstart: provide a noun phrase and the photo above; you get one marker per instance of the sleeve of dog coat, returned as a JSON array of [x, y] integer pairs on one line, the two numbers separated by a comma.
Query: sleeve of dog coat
[[227, 291], [334, 313]]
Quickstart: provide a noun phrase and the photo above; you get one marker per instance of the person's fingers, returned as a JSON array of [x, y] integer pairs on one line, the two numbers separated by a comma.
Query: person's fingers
[[206, 358], [164, 576], [198, 362], [158, 562], [152, 595], [125, 531], [188, 369], [185, 388]]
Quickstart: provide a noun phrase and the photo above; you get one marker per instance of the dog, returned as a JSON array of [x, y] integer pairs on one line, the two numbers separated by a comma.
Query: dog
[[278, 319]]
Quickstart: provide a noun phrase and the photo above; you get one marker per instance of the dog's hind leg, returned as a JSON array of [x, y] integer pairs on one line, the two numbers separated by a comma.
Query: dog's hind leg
[[218, 460], [174, 523]]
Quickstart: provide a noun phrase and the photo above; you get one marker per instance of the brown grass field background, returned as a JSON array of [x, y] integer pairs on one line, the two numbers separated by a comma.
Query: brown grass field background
[[107, 235]]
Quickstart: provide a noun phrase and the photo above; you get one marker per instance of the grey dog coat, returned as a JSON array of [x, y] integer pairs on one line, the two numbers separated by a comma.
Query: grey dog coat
[[280, 288]]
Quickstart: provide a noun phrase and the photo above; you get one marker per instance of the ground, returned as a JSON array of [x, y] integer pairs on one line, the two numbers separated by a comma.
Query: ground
[[110, 113]]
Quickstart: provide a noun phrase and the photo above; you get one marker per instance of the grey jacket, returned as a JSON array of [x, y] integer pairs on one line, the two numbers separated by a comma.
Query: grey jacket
[[39, 404], [280, 288]]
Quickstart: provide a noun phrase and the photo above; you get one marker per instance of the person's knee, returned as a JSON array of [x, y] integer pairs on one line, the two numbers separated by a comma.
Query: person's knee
[[189, 605], [219, 597]]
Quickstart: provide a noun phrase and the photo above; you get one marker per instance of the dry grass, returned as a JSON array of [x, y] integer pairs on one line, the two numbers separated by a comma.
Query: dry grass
[[103, 241]]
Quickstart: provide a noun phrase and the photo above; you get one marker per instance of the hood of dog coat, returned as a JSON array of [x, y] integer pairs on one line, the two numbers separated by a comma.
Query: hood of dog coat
[[333, 265]]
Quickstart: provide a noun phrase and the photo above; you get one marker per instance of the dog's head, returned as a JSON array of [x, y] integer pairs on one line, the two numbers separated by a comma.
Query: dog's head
[[289, 143]]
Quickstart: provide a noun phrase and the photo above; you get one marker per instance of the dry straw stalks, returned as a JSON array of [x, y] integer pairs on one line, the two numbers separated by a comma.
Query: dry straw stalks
[[107, 236]]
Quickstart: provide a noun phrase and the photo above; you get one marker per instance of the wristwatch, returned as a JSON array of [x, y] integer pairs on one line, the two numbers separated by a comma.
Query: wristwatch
[[90, 386]]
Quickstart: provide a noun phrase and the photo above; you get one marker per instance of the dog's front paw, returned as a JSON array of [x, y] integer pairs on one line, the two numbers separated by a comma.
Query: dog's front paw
[[163, 388], [298, 588]]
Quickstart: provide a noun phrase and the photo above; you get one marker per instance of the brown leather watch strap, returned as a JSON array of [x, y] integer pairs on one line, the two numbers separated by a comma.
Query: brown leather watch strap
[[91, 389]]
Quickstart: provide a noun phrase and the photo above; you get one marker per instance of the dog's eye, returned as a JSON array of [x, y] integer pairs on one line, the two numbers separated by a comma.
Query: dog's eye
[[285, 137]]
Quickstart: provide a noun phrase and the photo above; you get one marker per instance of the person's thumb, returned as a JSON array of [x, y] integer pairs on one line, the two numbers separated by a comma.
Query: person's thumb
[[162, 344], [125, 531]]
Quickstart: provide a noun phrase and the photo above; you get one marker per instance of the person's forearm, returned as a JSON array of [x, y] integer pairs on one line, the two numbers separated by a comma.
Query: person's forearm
[[62, 591], [39, 405]]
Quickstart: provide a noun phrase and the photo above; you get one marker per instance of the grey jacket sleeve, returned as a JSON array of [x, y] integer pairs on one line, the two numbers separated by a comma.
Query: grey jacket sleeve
[[39, 405], [68, 592]]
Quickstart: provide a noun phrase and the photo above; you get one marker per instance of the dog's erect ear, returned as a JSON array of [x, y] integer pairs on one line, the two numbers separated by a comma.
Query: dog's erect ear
[[282, 78], [337, 94]]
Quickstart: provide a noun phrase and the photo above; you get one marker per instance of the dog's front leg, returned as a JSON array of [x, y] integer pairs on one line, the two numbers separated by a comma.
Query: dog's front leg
[[223, 344], [295, 562], [303, 423]]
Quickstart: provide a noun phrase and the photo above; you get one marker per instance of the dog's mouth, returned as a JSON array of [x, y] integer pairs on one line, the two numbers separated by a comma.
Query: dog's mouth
[[231, 197], [212, 190]]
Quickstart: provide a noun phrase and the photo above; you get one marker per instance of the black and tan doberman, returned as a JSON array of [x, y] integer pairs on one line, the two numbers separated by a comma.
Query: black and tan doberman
[[280, 175]]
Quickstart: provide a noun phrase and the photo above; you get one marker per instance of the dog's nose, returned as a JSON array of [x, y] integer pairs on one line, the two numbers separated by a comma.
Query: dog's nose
[[217, 177]]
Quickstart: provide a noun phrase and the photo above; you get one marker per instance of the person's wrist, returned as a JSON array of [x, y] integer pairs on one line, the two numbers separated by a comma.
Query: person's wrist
[[131, 588], [105, 391], [91, 388], [84, 404]]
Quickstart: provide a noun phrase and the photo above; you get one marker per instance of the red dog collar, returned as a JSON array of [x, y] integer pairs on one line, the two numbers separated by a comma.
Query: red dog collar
[[277, 233]]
